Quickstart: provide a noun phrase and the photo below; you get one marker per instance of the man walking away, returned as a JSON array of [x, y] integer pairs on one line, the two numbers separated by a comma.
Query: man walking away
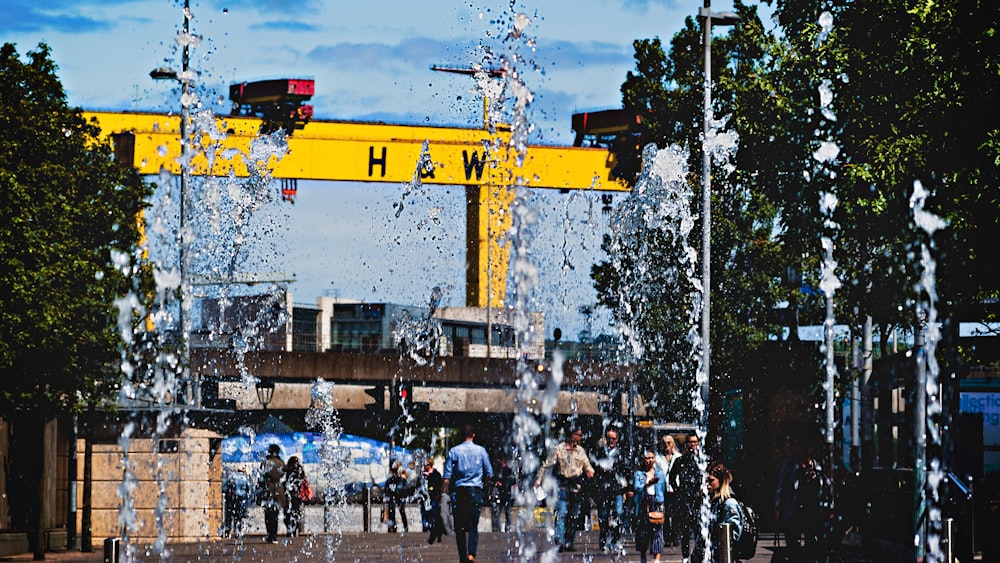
[[466, 468], [500, 496]]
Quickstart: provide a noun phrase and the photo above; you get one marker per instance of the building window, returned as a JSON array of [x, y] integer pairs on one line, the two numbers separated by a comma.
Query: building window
[[356, 335], [477, 335], [504, 336]]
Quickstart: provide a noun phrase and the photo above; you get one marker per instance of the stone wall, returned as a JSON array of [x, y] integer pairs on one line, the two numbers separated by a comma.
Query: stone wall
[[188, 467]]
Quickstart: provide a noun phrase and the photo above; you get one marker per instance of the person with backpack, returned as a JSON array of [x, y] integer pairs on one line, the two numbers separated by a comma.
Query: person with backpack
[[725, 509], [274, 497]]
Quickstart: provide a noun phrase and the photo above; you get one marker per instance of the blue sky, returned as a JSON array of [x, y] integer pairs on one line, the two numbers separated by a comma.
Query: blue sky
[[371, 62]]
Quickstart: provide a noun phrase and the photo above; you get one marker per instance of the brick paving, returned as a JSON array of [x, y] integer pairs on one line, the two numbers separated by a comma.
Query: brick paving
[[357, 546]]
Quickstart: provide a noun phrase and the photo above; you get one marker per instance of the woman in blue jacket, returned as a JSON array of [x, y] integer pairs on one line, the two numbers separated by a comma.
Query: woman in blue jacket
[[648, 484], [725, 508]]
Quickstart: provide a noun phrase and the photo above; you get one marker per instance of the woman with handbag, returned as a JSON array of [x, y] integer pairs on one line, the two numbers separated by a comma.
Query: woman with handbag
[[648, 485], [298, 488]]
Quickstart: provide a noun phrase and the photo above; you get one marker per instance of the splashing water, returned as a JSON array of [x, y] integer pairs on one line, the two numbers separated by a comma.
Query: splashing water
[[419, 337], [935, 474], [826, 156], [335, 461], [214, 239], [656, 220], [424, 168], [825, 25], [536, 397]]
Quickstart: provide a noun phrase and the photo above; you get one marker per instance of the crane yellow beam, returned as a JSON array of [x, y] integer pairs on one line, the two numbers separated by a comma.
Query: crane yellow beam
[[378, 152]]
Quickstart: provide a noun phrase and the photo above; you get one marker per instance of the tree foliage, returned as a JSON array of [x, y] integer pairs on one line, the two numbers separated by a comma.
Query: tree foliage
[[667, 90], [904, 90], [65, 207], [914, 84]]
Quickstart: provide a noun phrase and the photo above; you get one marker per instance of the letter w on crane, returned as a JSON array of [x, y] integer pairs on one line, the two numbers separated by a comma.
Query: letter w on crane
[[473, 164]]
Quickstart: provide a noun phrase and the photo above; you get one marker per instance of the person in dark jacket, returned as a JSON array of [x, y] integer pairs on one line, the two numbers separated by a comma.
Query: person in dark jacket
[[431, 509], [813, 507], [237, 493], [609, 489], [395, 489], [688, 483], [295, 475], [500, 496], [274, 497]]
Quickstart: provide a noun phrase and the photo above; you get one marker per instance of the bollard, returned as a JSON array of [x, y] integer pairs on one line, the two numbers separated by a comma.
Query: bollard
[[112, 550], [947, 539], [366, 511], [725, 548]]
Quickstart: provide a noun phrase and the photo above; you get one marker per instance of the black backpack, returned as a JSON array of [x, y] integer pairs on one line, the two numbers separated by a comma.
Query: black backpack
[[746, 546]]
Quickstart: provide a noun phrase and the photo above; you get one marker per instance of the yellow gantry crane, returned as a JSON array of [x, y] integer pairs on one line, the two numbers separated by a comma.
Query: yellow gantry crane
[[479, 159]]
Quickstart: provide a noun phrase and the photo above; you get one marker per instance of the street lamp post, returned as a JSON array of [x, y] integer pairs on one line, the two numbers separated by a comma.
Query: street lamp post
[[184, 78], [708, 19], [265, 392]]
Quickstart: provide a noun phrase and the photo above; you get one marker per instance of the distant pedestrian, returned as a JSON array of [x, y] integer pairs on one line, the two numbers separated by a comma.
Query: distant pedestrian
[[665, 461], [274, 497], [688, 483], [236, 494], [813, 509], [569, 464], [648, 486], [447, 518], [395, 495], [610, 484], [295, 484], [466, 468], [431, 483], [500, 496], [784, 499]]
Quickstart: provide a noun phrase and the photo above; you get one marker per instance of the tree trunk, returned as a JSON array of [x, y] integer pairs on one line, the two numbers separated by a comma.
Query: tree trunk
[[26, 483]]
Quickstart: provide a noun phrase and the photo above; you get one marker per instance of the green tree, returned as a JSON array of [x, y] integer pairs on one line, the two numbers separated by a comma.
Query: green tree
[[66, 207], [914, 86], [667, 90]]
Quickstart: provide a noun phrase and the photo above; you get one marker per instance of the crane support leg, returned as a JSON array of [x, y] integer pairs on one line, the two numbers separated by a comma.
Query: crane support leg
[[488, 220]]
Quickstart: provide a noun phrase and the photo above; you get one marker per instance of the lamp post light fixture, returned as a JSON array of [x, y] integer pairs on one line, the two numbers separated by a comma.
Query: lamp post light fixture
[[184, 78], [265, 392], [708, 19]]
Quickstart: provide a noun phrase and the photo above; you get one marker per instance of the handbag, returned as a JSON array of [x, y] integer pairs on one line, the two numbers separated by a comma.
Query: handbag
[[655, 517], [306, 490]]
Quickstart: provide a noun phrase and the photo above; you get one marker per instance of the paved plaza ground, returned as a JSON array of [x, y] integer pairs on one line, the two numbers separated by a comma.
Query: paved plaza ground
[[347, 542], [354, 546]]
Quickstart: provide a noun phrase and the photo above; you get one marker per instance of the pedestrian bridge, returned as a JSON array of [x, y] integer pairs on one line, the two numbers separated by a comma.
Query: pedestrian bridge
[[448, 385]]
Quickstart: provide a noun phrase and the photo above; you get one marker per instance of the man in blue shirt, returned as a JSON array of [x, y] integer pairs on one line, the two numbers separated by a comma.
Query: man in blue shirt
[[466, 468]]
